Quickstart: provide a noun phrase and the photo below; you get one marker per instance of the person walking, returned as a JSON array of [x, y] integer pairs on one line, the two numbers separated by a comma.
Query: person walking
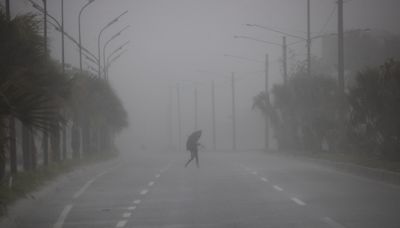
[[192, 145]]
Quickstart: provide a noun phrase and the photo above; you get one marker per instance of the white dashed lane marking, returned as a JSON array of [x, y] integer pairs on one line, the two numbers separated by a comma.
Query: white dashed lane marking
[[144, 192], [278, 188], [299, 202], [63, 216], [137, 201], [264, 179], [151, 183], [132, 208], [126, 215], [332, 223], [121, 223], [158, 175], [255, 173]]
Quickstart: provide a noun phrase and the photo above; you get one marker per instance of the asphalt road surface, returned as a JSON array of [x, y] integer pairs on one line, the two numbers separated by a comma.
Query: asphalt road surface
[[246, 189]]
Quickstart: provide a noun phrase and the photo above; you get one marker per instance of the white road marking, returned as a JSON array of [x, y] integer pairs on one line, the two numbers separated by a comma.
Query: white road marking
[[132, 208], [151, 183], [299, 202], [137, 201], [63, 216], [278, 188], [87, 184], [158, 175], [264, 179], [126, 215], [144, 192], [121, 223], [83, 189], [332, 223], [255, 173]]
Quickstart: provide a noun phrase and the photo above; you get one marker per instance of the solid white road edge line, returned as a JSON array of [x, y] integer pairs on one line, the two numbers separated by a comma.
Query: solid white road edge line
[[63, 216]]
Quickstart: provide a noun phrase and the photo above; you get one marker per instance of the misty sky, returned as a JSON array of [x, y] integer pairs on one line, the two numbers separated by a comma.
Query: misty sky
[[184, 41]]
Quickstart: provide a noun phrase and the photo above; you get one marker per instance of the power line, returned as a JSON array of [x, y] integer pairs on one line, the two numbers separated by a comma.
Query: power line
[[328, 20]]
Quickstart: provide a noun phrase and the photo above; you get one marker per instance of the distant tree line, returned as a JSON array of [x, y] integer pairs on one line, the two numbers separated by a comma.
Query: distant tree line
[[44, 113], [308, 112]]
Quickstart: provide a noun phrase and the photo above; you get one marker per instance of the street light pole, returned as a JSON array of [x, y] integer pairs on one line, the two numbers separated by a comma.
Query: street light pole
[[99, 36], [45, 27], [105, 46], [62, 37], [233, 113], [214, 139], [195, 109], [79, 33], [340, 48], [8, 15], [266, 103], [178, 98], [308, 39]]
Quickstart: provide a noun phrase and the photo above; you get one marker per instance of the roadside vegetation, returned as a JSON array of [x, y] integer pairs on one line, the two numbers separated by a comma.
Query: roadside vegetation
[[309, 117], [49, 120]]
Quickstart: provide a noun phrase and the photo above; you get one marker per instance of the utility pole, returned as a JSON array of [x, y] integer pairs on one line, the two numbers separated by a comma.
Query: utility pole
[[266, 104], [233, 114], [340, 48], [308, 39], [178, 98], [284, 47], [195, 109], [214, 140]]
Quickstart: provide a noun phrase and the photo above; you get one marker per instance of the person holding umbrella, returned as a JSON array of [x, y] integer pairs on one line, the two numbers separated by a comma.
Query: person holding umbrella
[[192, 144]]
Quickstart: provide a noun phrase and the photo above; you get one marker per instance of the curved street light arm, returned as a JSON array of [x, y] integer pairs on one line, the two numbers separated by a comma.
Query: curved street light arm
[[259, 40]]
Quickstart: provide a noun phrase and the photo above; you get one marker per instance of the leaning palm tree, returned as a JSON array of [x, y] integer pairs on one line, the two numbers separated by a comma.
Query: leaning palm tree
[[28, 83]]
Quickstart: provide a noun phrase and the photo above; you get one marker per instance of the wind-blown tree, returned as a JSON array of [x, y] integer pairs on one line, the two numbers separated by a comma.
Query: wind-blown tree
[[97, 111], [27, 92], [375, 110], [304, 111]]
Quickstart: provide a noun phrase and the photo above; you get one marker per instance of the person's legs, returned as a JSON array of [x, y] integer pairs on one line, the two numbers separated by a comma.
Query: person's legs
[[196, 156], [190, 159]]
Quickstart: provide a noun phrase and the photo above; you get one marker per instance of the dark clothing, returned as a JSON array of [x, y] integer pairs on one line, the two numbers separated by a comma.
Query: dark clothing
[[192, 146]]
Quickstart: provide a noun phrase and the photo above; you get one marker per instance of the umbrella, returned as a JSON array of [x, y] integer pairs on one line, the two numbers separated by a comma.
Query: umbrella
[[192, 140]]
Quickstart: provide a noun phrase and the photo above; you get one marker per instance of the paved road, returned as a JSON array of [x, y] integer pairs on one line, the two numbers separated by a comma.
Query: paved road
[[228, 190]]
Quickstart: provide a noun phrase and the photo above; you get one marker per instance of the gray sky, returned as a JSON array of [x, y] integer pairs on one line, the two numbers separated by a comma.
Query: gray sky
[[172, 40]]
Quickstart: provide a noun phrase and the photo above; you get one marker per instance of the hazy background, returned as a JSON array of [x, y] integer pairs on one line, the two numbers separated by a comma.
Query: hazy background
[[183, 42]]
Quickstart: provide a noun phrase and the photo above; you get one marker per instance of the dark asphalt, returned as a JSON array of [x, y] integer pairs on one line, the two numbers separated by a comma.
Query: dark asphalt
[[247, 189]]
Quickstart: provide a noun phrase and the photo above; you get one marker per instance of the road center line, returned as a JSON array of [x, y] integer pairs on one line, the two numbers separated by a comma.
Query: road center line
[[63, 216], [151, 183], [332, 223], [126, 215], [299, 202], [121, 223], [144, 192], [90, 182], [136, 201], [264, 179], [132, 208], [278, 188]]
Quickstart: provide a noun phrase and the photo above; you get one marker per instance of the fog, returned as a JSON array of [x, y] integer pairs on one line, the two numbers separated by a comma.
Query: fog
[[181, 43]]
